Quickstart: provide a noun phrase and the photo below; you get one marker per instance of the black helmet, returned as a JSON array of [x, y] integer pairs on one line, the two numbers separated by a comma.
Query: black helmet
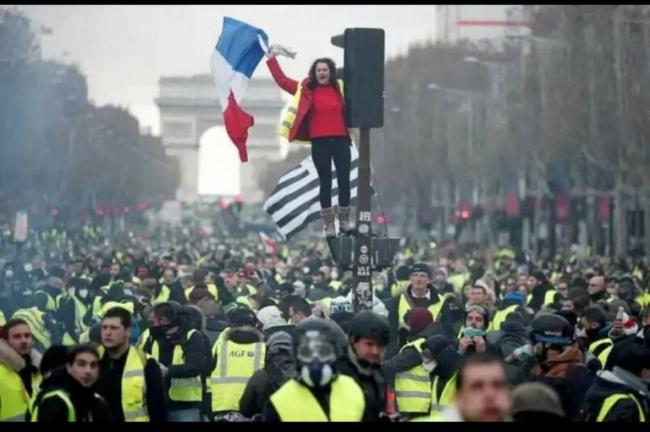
[[315, 338], [367, 324], [552, 329]]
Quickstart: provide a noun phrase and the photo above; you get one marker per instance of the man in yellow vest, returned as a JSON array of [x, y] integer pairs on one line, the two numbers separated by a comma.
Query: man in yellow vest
[[540, 291], [19, 375], [319, 393], [621, 395], [412, 383], [441, 359], [67, 395], [129, 381], [238, 353], [595, 334], [421, 294], [179, 351]]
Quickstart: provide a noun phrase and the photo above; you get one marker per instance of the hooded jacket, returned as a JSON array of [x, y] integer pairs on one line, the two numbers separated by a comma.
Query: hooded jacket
[[608, 383]]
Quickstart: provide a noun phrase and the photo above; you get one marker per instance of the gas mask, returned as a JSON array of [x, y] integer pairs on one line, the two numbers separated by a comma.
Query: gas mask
[[316, 356]]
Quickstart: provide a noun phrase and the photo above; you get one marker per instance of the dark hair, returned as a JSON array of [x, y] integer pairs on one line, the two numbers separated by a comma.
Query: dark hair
[[312, 72], [595, 314], [299, 304], [481, 287], [80, 349], [482, 358], [14, 322], [121, 313]]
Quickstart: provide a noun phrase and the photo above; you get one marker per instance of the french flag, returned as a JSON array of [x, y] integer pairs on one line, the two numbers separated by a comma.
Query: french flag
[[233, 61]]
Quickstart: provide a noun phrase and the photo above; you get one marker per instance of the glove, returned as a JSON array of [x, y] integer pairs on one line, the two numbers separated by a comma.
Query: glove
[[275, 50]]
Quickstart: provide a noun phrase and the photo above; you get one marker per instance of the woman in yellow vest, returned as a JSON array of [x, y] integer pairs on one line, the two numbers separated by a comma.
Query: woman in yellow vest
[[316, 352], [316, 114]]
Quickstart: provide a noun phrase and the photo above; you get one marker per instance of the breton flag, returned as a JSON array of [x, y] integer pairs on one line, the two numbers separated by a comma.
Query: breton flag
[[294, 202], [233, 61]]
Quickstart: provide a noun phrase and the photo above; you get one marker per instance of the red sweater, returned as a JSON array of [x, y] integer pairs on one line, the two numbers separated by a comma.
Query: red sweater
[[325, 116]]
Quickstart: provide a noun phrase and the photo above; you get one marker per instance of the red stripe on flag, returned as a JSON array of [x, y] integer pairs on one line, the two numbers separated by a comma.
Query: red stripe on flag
[[493, 23], [237, 123]]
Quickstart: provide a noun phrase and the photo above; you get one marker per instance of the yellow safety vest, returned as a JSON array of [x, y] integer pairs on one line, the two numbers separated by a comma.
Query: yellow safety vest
[[336, 285], [612, 400], [458, 280], [181, 389], [72, 414], [3, 320], [163, 295], [51, 305], [236, 363], [549, 297], [448, 395], [212, 289], [500, 317], [134, 386], [290, 117], [399, 287], [603, 354], [34, 318], [295, 403], [127, 305], [14, 398], [80, 310], [413, 387], [405, 306]]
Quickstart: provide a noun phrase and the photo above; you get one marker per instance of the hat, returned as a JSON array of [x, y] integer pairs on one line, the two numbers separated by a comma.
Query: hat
[[279, 340], [419, 318], [421, 267], [536, 397], [436, 343], [55, 356], [270, 316]]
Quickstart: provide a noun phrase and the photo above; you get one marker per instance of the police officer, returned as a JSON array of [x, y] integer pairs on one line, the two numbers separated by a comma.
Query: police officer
[[239, 352], [319, 393], [129, 381]]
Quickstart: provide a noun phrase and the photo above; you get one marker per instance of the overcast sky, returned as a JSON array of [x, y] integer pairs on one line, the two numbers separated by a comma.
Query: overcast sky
[[125, 49]]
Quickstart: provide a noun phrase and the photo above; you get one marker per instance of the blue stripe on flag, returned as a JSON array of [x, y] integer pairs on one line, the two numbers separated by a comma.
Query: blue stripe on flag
[[238, 44]]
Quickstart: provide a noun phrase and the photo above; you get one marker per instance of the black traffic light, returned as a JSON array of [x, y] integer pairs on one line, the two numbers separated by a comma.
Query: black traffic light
[[363, 76]]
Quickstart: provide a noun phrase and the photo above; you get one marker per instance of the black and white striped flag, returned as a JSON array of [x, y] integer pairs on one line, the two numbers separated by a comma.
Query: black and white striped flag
[[294, 202]]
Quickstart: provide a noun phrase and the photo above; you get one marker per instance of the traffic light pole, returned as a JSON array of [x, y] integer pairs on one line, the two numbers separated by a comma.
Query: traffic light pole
[[362, 268]]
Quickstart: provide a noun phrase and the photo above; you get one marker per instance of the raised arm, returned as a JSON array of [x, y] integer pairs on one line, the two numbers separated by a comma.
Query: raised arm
[[285, 83]]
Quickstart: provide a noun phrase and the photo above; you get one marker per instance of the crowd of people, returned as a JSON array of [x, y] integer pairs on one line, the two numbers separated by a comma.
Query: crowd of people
[[172, 325]]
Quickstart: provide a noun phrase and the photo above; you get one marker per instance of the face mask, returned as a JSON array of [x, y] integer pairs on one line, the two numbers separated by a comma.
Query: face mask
[[317, 374], [158, 332], [473, 332], [83, 293]]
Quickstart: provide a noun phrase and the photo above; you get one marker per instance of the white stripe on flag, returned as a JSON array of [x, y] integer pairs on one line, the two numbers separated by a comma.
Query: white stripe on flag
[[226, 79]]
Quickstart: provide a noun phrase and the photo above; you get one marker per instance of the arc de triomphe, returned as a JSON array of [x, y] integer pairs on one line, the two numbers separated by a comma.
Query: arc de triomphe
[[188, 107]]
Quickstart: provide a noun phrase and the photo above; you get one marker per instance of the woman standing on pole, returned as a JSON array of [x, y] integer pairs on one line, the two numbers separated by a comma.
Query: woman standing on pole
[[317, 115]]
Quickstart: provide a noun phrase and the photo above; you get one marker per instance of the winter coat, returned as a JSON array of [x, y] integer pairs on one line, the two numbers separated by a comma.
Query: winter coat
[[608, 383], [567, 375], [503, 342], [88, 406]]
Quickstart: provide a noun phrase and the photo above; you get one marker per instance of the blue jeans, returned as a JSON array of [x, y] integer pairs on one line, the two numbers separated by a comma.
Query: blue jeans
[[185, 415]]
